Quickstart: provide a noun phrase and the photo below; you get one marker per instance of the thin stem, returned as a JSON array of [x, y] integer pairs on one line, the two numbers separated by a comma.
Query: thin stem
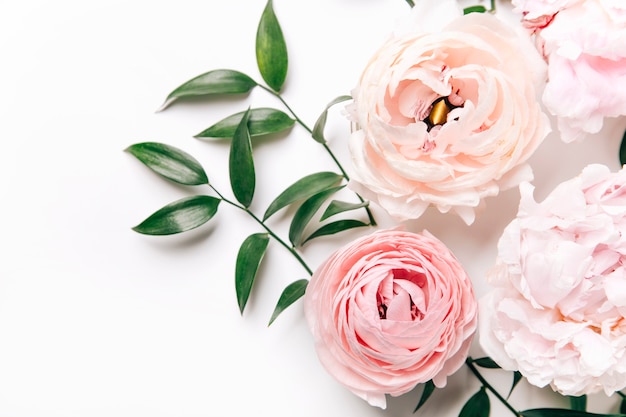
[[410, 3], [621, 394], [493, 6], [271, 233], [469, 362], [344, 174]]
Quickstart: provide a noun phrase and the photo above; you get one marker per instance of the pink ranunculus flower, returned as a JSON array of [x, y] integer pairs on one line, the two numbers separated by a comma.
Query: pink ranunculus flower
[[389, 311], [557, 310], [447, 112], [584, 43]]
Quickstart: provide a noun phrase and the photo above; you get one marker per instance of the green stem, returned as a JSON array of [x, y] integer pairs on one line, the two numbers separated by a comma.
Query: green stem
[[493, 6], [621, 394], [271, 233], [410, 3], [344, 174], [469, 362]]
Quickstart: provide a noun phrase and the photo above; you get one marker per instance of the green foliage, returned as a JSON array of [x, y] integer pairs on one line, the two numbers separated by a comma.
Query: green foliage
[[578, 403], [305, 213], [474, 9], [271, 49], [622, 150], [335, 227], [241, 164], [249, 259], [320, 124], [562, 412], [517, 377], [180, 216], [170, 162], [290, 294], [262, 121], [429, 388], [477, 406], [486, 362], [216, 82], [336, 207]]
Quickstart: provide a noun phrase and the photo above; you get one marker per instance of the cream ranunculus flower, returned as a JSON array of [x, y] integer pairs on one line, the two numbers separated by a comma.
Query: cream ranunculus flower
[[557, 310], [447, 113]]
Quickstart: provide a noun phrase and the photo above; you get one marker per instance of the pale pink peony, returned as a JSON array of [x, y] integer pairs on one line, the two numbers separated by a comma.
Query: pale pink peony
[[584, 43], [490, 77], [558, 307], [389, 311]]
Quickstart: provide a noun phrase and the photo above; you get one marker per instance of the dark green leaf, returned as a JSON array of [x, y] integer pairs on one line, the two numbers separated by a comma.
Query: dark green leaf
[[477, 406], [241, 164], [271, 50], [578, 403], [335, 227], [429, 388], [486, 362], [262, 121], [622, 150], [474, 9], [301, 189], [221, 81], [305, 213], [517, 377], [622, 406], [290, 294], [180, 216], [336, 207], [172, 163], [562, 412], [248, 260], [320, 124]]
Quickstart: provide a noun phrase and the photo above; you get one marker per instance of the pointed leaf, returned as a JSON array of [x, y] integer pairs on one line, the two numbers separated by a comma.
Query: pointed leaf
[[170, 162], [305, 213], [180, 216], [517, 377], [622, 150], [578, 403], [320, 124], [304, 188], [429, 388], [562, 412], [486, 362], [474, 9], [249, 258], [477, 406], [241, 164], [335, 227], [336, 207], [271, 50], [290, 294], [262, 121], [221, 81]]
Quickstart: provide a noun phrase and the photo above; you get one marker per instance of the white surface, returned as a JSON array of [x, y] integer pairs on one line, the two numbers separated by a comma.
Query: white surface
[[96, 320]]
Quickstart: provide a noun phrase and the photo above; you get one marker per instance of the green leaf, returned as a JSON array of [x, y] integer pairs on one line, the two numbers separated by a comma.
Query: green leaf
[[578, 403], [429, 388], [562, 412], [622, 150], [477, 406], [241, 164], [474, 9], [305, 213], [172, 163], [262, 121], [221, 81], [517, 377], [271, 50], [290, 294], [249, 258], [180, 216], [320, 124], [304, 188], [336, 207], [335, 227], [622, 406], [486, 362]]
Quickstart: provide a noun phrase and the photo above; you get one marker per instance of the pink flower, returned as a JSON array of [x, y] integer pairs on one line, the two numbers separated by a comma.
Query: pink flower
[[389, 311], [584, 43], [447, 112], [557, 312]]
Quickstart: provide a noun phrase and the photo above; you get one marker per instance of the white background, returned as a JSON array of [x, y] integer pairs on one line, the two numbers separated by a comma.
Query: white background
[[96, 320]]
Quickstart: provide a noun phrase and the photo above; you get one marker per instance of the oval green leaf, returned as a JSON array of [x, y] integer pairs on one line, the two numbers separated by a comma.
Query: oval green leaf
[[474, 9], [180, 216], [304, 188], [305, 213], [335, 227], [262, 121], [290, 294], [486, 362], [477, 406], [271, 50], [320, 124], [336, 207], [517, 377], [429, 388], [241, 164], [216, 82], [622, 150], [249, 259], [169, 162], [563, 412]]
